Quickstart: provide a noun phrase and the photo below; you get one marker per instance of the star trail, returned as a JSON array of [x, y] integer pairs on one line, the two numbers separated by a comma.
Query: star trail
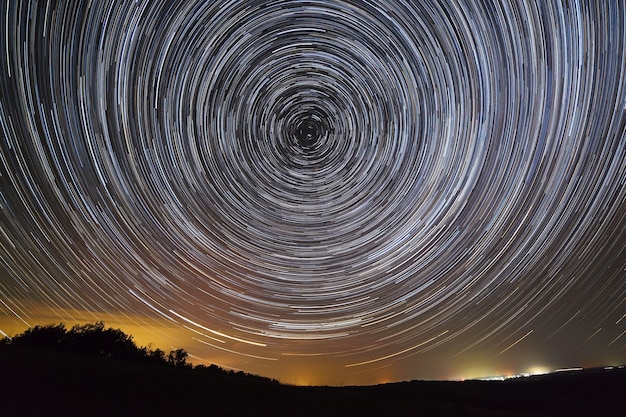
[[320, 191]]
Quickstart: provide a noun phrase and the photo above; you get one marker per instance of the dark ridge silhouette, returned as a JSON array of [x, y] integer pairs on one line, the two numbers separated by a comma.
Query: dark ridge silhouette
[[93, 371]]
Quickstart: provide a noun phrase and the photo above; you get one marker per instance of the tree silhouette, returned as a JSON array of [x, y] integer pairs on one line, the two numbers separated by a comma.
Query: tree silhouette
[[51, 337], [157, 355], [178, 358], [95, 340]]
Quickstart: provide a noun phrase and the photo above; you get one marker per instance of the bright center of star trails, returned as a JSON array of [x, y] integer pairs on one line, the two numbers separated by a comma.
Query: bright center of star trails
[[320, 191]]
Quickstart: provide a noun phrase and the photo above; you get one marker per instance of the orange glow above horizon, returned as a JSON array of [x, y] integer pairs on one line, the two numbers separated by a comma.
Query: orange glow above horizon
[[293, 370]]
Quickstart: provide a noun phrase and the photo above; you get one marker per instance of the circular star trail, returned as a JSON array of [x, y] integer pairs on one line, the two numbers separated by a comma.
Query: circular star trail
[[345, 186]]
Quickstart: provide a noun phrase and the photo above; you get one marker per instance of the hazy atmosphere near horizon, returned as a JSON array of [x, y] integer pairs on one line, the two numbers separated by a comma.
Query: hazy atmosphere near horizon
[[321, 192]]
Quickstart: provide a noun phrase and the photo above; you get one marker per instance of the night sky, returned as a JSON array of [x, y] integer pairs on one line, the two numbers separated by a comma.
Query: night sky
[[322, 192]]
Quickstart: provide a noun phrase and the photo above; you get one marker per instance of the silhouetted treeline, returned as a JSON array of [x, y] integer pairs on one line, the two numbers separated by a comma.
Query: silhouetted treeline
[[96, 340], [93, 340], [216, 370]]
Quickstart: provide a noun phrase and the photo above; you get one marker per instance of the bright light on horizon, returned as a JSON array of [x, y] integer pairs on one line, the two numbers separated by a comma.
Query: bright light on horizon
[[538, 370]]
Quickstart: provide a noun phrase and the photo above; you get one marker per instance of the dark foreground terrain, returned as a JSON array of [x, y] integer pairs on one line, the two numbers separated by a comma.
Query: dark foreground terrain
[[36, 382]]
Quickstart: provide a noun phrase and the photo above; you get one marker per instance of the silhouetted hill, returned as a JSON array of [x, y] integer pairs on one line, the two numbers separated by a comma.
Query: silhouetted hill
[[44, 382]]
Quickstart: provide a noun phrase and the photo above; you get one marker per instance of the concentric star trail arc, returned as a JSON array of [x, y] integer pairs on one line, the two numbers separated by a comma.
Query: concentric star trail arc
[[340, 189]]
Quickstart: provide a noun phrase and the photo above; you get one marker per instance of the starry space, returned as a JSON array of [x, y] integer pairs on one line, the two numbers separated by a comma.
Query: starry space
[[322, 192]]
